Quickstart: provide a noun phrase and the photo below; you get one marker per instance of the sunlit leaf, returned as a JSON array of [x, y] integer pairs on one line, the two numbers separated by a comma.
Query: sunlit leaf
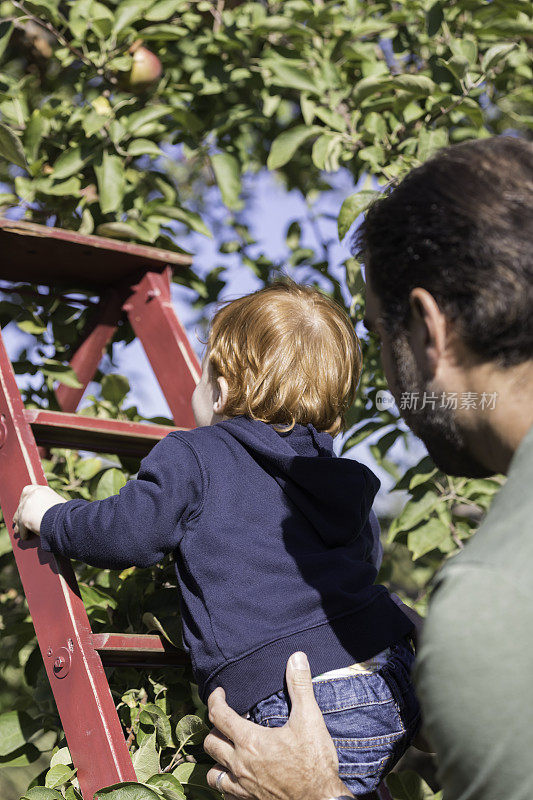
[[10, 147], [286, 144]]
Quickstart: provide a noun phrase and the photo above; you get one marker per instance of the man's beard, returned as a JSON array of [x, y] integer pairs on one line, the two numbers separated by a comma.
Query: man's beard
[[437, 427]]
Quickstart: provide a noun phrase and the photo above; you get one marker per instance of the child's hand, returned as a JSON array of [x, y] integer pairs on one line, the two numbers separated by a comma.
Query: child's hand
[[33, 504]]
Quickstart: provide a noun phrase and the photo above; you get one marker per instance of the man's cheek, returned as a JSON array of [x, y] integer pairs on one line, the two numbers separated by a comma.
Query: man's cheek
[[389, 370]]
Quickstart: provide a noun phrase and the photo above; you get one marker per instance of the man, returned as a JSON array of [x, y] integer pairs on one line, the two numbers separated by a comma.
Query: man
[[450, 293]]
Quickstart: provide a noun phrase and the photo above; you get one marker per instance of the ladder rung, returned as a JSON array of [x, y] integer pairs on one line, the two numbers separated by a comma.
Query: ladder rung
[[137, 650], [57, 429]]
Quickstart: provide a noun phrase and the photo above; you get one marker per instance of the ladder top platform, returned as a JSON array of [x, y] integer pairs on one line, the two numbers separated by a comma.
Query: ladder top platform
[[41, 254]]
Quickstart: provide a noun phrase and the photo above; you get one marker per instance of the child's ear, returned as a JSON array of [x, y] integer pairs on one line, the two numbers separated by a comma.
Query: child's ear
[[222, 399]]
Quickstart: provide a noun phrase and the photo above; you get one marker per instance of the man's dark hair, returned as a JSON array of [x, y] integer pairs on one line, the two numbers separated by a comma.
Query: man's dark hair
[[461, 227]]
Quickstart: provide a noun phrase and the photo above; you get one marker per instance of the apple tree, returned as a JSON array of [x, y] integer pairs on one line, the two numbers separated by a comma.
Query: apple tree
[[142, 119]]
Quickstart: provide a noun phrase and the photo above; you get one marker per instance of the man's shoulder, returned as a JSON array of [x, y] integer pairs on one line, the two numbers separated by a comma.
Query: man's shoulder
[[504, 540], [472, 676]]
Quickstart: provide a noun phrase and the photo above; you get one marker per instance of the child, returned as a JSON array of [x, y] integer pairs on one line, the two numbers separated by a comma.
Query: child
[[270, 531]]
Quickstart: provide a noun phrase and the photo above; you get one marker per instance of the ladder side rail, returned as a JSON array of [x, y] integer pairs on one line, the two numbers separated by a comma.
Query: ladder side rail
[[74, 668], [165, 342], [94, 340]]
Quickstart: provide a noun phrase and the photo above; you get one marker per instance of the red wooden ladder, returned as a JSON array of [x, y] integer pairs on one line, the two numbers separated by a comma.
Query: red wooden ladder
[[134, 281], [130, 280]]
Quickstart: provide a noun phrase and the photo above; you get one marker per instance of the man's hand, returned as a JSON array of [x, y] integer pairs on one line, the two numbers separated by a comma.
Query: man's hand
[[33, 504], [295, 762]]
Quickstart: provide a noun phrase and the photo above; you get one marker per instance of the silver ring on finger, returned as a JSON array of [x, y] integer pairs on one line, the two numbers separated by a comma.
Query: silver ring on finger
[[219, 781]]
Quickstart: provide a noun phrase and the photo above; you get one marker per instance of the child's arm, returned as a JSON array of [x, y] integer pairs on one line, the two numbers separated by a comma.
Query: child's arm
[[136, 527]]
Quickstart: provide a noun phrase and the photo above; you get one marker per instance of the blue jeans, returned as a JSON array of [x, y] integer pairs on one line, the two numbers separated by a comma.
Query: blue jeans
[[371, 718]]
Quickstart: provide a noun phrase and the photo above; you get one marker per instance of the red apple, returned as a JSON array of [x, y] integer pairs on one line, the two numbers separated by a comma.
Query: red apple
[[145, 71]]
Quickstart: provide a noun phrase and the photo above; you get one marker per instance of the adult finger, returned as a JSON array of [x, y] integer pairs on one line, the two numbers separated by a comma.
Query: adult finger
[[227, 721], [223, 781], [218, 747], [300, 687]]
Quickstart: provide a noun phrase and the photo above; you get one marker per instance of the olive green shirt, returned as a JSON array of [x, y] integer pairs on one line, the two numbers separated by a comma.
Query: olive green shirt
[[474, 673]]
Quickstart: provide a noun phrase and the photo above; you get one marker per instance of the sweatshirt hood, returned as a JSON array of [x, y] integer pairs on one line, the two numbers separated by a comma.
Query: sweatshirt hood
[[334, 494]]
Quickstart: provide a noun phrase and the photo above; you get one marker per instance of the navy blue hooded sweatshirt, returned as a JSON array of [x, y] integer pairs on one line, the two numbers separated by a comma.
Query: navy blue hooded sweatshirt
[[273, 547]]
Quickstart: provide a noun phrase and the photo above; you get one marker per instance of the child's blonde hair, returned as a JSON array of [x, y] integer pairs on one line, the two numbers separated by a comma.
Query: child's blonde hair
[[289, 355]]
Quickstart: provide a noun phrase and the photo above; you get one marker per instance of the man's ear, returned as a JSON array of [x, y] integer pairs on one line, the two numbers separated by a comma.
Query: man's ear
[[222, 398], [427, 331]]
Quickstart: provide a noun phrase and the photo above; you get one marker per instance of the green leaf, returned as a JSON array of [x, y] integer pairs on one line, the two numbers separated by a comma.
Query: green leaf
[[140, 147], [11, 148], [69, 187], [495, 54], [86, 469], [16, 729], [164, 32], [430, 141], [326, 150], [408, 785], [163, 10], [331, 118], [72, 794], [127, 12], [58, 775], [148, 114], [93, 597], [22, 757], [110, 483], [287, 143], [192, 774], [34, 133], [117, 230], [101, 19], [434, 18], [111, 182], [464, 48], [415, 511], [369, 86], [146, 759], [292, 77], [61, 372], [68, 163], [44, 8], [152, 623], [190, 218], [354, 205], [483, 486], [154, 715], [5, 541], [6, 29], [115, 388], [30, 326], [427, 537], [42, 793], [62, 756], [420, 473], [127, 791], [415, 84], [228, 176], [169, 785], [78, 17], [93, 122], [191, 730]]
